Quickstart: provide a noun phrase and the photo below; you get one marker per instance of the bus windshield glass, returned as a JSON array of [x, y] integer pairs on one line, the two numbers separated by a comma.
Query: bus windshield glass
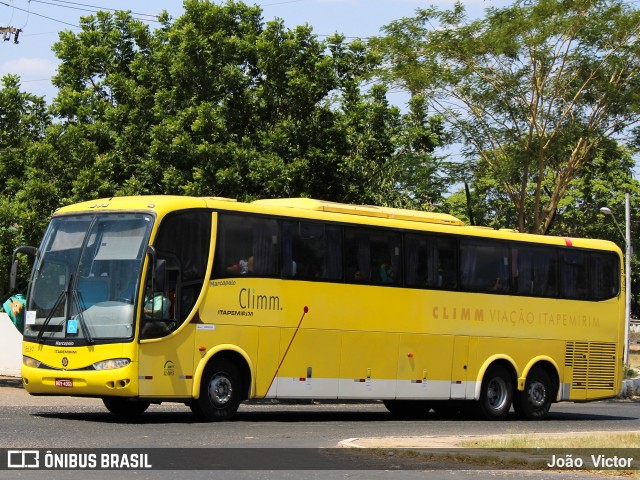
[[86, 277]]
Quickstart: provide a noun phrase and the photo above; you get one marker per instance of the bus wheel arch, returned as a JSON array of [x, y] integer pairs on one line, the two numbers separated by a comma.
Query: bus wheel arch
[[497, 390], [540, 391], [223, 383]]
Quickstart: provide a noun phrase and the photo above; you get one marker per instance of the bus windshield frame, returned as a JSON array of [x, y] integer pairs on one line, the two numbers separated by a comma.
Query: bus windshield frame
[[86, 277]]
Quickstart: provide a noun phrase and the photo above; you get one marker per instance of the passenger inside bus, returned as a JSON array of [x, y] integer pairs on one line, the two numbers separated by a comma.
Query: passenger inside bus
[[157, 318], [243, 267], [159, 310]]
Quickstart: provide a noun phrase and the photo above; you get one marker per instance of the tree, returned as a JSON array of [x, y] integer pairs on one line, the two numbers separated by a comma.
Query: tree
[[215, 102], [219, 103], [23, 122], [533, 90]]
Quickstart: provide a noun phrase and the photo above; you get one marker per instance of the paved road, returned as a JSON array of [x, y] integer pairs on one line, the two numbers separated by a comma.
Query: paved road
[[47, 422]]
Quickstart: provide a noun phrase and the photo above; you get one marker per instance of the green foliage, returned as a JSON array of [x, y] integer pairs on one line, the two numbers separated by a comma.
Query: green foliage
[[629, 372], [534, 90], [218, 103], [23, 123], [215, 102]]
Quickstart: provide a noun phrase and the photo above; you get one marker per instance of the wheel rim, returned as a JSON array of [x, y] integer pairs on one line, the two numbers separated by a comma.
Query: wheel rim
[[537, 394], [497, 393], [220, 390]]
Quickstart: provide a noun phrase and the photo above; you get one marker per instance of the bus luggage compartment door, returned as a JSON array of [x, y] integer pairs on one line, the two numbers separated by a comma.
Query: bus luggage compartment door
[[459, 368]]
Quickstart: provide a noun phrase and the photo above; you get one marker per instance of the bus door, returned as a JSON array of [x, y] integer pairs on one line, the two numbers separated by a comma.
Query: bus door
[[171, 298]]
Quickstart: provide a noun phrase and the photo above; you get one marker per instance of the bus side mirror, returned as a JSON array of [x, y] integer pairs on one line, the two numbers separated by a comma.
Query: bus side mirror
[[13, 274]]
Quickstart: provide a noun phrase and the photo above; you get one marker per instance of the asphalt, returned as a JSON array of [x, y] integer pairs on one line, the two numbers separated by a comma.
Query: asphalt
[[14, 394]]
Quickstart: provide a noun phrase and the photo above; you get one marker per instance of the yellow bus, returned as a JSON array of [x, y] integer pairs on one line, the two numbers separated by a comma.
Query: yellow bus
[[210, 302]]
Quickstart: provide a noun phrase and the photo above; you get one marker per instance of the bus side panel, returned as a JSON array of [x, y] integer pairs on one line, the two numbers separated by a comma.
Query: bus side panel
[[268, 360], [366, 370], [424, 366], [312, 363], [166, 365]]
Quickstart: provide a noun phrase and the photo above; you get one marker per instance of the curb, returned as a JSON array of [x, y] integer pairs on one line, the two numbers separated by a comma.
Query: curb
[[451, 443]]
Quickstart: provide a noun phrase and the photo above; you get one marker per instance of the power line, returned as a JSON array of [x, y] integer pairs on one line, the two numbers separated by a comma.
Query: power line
[[40, 33], [94, 11], [39, 15], [12, 12], [28, 14], [95, 7]]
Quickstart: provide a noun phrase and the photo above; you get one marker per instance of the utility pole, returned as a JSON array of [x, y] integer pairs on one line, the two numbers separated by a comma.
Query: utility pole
[[8, 31], [627, 268], [627, 271]]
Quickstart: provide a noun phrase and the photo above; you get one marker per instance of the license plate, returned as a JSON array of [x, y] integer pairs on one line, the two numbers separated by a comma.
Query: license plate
[[64, 382]]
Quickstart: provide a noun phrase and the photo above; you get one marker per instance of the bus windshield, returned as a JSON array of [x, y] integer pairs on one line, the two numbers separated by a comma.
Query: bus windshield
[[85, 279]]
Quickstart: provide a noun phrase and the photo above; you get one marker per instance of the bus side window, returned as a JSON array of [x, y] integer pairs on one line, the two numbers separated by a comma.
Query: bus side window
[[485, 266], [159, 308], [534, 271], [575, 275], [605, 274], [311, 251], [373, 256], [183, 242], [357, 252], [447, 275], [246, 245]]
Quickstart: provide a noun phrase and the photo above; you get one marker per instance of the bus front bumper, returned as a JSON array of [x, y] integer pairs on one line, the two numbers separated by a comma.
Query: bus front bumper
[[119, 382]]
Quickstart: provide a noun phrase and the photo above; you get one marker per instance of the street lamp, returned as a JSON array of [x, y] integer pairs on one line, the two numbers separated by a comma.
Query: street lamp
[[627, 269]]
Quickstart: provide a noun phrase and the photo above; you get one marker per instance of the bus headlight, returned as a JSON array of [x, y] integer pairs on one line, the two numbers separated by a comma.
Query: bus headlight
[[111, 364], [30, 362]]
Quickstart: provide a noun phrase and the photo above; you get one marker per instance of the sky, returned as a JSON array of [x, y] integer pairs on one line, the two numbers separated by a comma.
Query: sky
[[41, 20]]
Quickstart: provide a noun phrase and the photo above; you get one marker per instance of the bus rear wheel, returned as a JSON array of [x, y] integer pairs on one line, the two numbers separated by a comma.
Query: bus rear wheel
[[220, 392], [496, 393], [535, 401], [407, 408], [125, 407]]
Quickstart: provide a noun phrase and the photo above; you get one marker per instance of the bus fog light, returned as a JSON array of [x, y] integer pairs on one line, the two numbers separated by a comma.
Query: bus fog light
[[30, 362], [112, 364]]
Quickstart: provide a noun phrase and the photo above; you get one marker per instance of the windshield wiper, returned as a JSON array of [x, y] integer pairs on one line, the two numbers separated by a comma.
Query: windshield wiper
[[62, 295], [83, 324]]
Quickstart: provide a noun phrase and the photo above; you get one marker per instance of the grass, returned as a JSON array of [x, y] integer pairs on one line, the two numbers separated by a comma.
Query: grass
[[597, 441], [601, 440]]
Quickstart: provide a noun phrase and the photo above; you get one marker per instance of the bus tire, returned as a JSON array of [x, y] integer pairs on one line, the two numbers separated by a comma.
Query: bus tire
[[535, 401], [407, 408], [496, 393], [125, 407], [220, 392]]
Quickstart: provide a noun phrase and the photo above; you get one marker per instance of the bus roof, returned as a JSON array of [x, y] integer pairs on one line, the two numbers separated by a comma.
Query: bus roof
[[321, 209], [364, 210]]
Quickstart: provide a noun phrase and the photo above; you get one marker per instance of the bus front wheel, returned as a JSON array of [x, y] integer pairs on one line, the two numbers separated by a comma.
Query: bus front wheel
[[125, 407], [496, 393], [534, 402], [220, 392]]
